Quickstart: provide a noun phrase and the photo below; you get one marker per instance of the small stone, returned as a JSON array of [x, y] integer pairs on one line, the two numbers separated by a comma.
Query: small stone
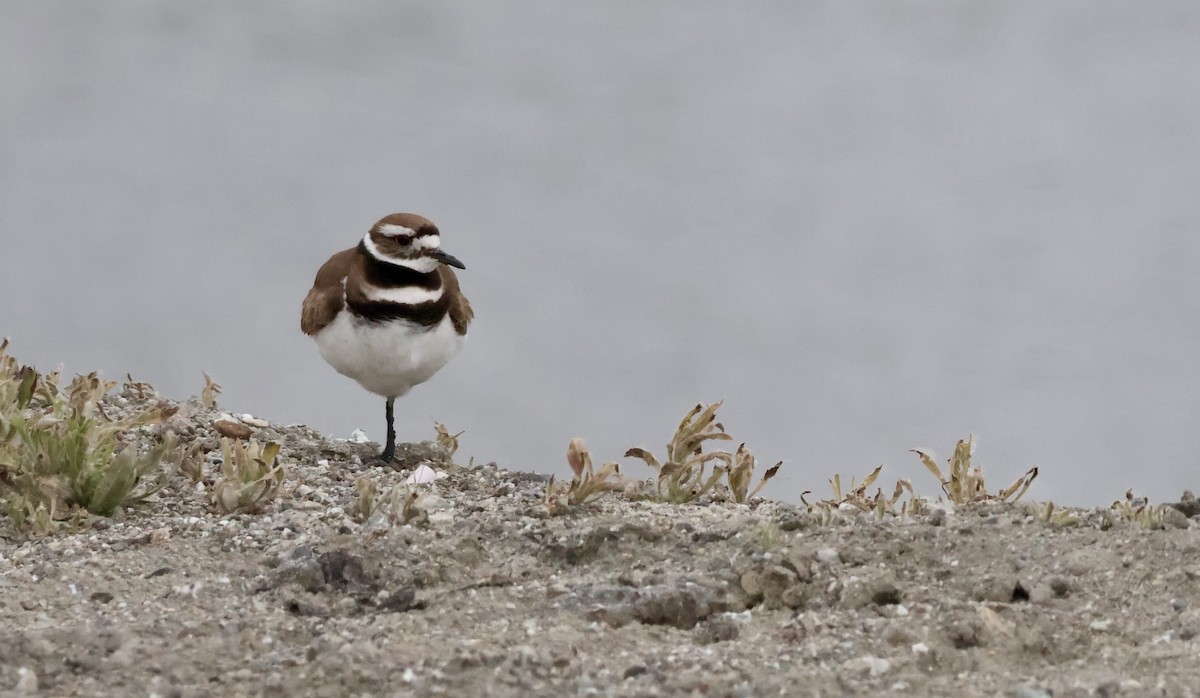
[[878, 589], [715, 629], [1187, 505], [397, 601], [160, 535], [301, 567], [1174, 518], [1189, 624], [412, 455], [358, 436], [1003, 588], [232, 429], [27, 681], [769, 583], [867, 666], [829, 556], [995, 625], [1091, 559]]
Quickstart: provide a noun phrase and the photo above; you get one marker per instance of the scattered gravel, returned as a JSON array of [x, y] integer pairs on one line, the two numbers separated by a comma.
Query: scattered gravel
[[482, 593]]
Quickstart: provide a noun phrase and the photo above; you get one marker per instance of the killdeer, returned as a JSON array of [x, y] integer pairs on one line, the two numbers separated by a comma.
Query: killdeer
[[389, 313]]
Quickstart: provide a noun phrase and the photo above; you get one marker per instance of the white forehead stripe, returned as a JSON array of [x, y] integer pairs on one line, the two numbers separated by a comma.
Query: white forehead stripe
[[409, 295], [392, 230]]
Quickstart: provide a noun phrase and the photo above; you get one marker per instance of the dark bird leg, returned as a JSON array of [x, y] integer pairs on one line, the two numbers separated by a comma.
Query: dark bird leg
[[389, 447]]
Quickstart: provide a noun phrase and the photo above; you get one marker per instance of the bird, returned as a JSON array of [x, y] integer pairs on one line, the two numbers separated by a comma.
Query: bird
[[389, 312]]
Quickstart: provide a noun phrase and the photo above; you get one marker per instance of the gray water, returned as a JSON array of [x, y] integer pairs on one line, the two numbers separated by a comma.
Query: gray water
[[867, 226]]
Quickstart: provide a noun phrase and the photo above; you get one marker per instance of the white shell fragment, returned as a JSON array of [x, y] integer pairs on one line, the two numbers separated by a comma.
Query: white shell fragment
[[254, 421], [422, 475], [358, 436]]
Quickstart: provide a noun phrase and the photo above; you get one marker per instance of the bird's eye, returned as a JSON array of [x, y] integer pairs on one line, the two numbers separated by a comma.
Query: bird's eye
[[403, 242]]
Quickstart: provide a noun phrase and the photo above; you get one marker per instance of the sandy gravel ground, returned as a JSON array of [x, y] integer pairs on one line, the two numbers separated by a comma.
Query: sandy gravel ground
[[482, 593]]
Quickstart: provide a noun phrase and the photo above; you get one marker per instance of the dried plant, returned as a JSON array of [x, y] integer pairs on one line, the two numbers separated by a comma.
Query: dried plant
[[400, 505], [684, 476], [586, 485], [141, 388], [191, 465], [210, 392], [367, 502], [857, 497], [857, 494], [965, 483], [1048, 512], [250, 477], [1138, 510], [61, 455], [446, 440], [741, 474]]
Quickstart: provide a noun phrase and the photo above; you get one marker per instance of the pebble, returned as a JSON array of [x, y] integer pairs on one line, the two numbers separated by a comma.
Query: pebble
[[358, 436], [27, 681], [232, 429], [829, 556], [872, 666]]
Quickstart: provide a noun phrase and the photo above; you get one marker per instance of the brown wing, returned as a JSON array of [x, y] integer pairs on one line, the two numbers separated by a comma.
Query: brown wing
[[460, 308], [326, 298]]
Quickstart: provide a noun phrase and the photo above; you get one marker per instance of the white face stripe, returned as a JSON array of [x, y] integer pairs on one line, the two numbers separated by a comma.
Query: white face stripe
[[423, 265], [374, 251], [423, 242], [409, 295], [392, 230]]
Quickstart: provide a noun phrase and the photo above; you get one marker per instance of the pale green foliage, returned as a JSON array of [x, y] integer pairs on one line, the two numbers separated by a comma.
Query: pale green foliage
[[250, 477], [586, 485], [768, 536], [965, 483], [61, 455]]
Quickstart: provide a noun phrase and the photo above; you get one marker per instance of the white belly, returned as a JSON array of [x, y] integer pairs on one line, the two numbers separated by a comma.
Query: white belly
[[387, 358]]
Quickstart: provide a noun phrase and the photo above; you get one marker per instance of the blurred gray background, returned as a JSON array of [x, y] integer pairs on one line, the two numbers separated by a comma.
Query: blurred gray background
[[866, 226]]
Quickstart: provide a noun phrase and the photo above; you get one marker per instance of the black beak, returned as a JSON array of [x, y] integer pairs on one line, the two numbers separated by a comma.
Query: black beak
[[450, 259]]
